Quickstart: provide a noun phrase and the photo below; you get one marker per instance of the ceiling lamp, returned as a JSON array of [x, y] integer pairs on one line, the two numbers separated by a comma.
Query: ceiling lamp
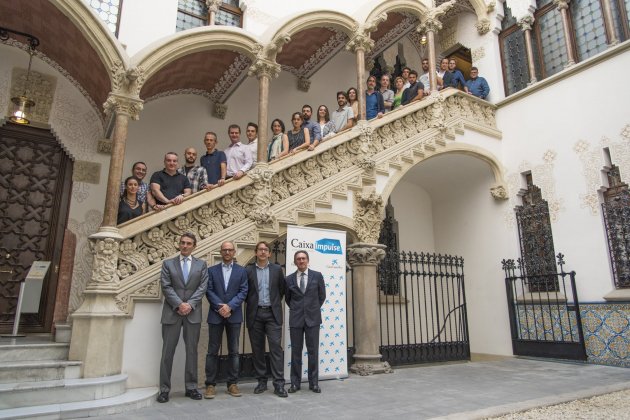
[[22, 104]]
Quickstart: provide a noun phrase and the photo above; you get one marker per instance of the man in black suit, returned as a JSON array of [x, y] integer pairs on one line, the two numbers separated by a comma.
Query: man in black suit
[[183, 280], [227, 289], [305, 295], [264, 318]]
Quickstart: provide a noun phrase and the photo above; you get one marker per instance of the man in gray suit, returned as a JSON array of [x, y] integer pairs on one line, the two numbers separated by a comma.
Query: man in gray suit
[[266, 285], [184, 280], [305, 295]]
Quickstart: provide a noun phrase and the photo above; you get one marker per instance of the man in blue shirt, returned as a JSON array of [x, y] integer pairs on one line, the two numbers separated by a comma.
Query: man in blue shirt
[[477, 86], [214, 161], [374, 104], [314, 131], [457, 80]]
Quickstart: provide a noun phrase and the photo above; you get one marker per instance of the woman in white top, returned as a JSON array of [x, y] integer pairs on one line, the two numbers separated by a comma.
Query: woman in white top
[[325, 124], [279, 144], [353, 102]]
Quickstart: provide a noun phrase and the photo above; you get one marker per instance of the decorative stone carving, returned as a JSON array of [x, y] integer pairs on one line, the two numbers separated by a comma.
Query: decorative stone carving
[[213, 5], [395, 33], [448, 35], [84, 171], [320, 57], [127, 81], [368, 215], [431, 22], [499, 192], [526, 23], [261, 201], [361, 39], [491, 6], [365, 254], [303, 84], [263, 67], [104, 146], [368, 369], [219, 110], [104, 270], [562, 4], [483, 26], [477, 54], [230, 80], [120, 104]]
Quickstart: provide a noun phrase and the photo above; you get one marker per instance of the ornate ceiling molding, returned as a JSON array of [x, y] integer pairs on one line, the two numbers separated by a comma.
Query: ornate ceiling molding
[[323, 54], [393, 35]]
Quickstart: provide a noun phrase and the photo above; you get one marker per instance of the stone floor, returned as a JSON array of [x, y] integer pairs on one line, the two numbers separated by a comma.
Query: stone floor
[[465, 390]]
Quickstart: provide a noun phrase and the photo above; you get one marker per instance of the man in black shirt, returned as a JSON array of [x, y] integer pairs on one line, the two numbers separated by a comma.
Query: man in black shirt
[[415, 91], [168, 186]]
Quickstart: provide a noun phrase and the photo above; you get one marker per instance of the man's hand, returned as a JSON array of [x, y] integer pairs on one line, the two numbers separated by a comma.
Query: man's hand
[[184, 309], [239, 174], [225, 311], [221, 182], [178, 199], [379, 115]]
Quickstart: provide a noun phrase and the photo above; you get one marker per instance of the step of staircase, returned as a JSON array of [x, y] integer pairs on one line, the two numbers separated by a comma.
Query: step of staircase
[[133, 399], [39, 370], [33, 351], [26, 394]]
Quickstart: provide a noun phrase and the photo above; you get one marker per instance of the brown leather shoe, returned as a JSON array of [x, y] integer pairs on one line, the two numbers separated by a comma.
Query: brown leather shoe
[[210, 392], [234, 391]]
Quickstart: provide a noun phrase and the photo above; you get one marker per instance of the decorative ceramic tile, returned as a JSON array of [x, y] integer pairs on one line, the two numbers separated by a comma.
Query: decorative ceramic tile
[[607, 333]]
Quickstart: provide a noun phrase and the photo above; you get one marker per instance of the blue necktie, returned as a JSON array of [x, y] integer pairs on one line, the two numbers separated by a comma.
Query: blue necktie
[[185, 270]]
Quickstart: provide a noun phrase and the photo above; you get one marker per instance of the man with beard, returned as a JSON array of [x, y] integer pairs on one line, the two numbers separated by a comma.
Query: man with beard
[[415, 91], [313, 128], [197, 175], [342, 118]]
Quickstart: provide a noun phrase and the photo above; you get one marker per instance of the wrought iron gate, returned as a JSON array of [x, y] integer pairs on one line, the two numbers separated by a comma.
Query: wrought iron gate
[[422, 305], [544, 312]]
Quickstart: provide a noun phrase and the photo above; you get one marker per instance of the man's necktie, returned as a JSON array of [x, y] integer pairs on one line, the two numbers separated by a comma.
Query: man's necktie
[[185, 270], [302, 283]]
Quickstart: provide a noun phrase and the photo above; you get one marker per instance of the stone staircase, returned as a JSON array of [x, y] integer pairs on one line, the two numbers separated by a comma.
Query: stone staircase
[[38, 381]]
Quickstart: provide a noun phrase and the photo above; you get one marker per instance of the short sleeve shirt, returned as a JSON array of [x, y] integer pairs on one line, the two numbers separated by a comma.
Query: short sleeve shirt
[[170, 185], [212, 162]]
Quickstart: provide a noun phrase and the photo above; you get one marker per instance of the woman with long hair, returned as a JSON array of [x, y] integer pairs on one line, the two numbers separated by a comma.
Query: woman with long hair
[[326, 126], [130, 206], [299, 139], [353, 102], [279, 144], [399, 82]]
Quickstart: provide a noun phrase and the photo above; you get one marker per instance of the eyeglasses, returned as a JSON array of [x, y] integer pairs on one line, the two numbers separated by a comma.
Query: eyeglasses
[[228, 250]]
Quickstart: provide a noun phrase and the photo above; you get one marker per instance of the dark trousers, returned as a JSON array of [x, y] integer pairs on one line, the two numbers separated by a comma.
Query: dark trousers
[[170, 338], [265, 325], [215, 336], [298, 336]]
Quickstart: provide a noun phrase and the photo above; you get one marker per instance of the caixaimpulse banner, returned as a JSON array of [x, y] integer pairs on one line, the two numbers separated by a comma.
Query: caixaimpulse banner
[[327, 254]]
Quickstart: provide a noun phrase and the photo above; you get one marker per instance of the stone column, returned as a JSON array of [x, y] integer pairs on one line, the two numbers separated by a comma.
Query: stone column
[[430, 26], [563, 7], [609, 21], [364, 258], [213, 8], [526, 26], [360, 44], [264, 70], [97, 325]]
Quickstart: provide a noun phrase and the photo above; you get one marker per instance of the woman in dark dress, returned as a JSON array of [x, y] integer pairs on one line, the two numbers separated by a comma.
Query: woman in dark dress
[[299, 138], [130, 205]]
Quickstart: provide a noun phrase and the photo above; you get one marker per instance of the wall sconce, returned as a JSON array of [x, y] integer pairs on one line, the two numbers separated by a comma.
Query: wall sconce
[[22, 104]]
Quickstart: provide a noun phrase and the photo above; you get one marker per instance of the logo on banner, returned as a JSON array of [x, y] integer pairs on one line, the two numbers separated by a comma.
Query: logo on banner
[[323, 246]]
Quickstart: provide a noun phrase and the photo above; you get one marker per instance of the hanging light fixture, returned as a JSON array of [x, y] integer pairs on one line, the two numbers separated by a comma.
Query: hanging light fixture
[[22, 104]]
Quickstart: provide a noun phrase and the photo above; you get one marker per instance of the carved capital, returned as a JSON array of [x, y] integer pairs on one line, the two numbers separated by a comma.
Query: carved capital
[[263, 67], [104, 264], [127, 81], [303, 84], [360, 41], [368, 215], [213, 5], [562, 4], [431, 23], [499, 192], [491, 6], [219, 110], [365, 254], [117, 103], [104, 146], [526, 23], [483, 26]]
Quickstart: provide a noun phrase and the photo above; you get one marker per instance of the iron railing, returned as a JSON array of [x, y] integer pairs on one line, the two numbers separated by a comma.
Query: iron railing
[[616, 211]]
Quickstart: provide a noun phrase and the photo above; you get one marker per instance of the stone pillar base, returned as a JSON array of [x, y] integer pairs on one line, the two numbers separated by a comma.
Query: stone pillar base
[[365, 365], [97, 335], [63, 332]]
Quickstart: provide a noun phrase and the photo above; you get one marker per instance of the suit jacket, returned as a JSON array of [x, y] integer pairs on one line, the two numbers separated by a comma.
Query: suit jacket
[[234, 295], [305, 307], [175, 291], [277, 285]]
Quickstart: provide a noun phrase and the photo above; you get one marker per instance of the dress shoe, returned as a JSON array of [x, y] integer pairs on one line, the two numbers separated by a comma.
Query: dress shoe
[[281, 392], [293, 389], [316, 389], [260, 388], [210, 392], [193, 394], [162, 397], [234, 391]]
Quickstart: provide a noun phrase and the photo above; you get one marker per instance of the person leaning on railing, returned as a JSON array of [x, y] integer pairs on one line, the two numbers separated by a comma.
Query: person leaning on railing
[[299, 138], [168, 186], [279, 144], [477, 85]]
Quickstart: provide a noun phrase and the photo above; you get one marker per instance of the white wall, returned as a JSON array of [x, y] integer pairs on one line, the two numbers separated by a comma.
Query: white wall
[[145, 21], [412, 208]]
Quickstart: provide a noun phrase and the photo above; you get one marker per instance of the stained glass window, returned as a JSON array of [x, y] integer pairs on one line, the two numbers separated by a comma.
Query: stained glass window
[[515, 61], [620, 20], [589, 27], [108, 11], [551, 37], [194, 13]]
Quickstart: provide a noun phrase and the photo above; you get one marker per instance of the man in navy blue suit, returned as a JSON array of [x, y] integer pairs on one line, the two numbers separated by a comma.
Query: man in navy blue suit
[[227, 289], [305, 295]]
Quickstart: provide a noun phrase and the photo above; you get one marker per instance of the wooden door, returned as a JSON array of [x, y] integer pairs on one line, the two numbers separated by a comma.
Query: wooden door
[[35, 189]]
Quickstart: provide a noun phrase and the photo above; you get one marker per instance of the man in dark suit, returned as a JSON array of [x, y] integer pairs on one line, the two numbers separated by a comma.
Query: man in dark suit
[[183, 280], [227, 289], [264, 318], [305, 295]]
